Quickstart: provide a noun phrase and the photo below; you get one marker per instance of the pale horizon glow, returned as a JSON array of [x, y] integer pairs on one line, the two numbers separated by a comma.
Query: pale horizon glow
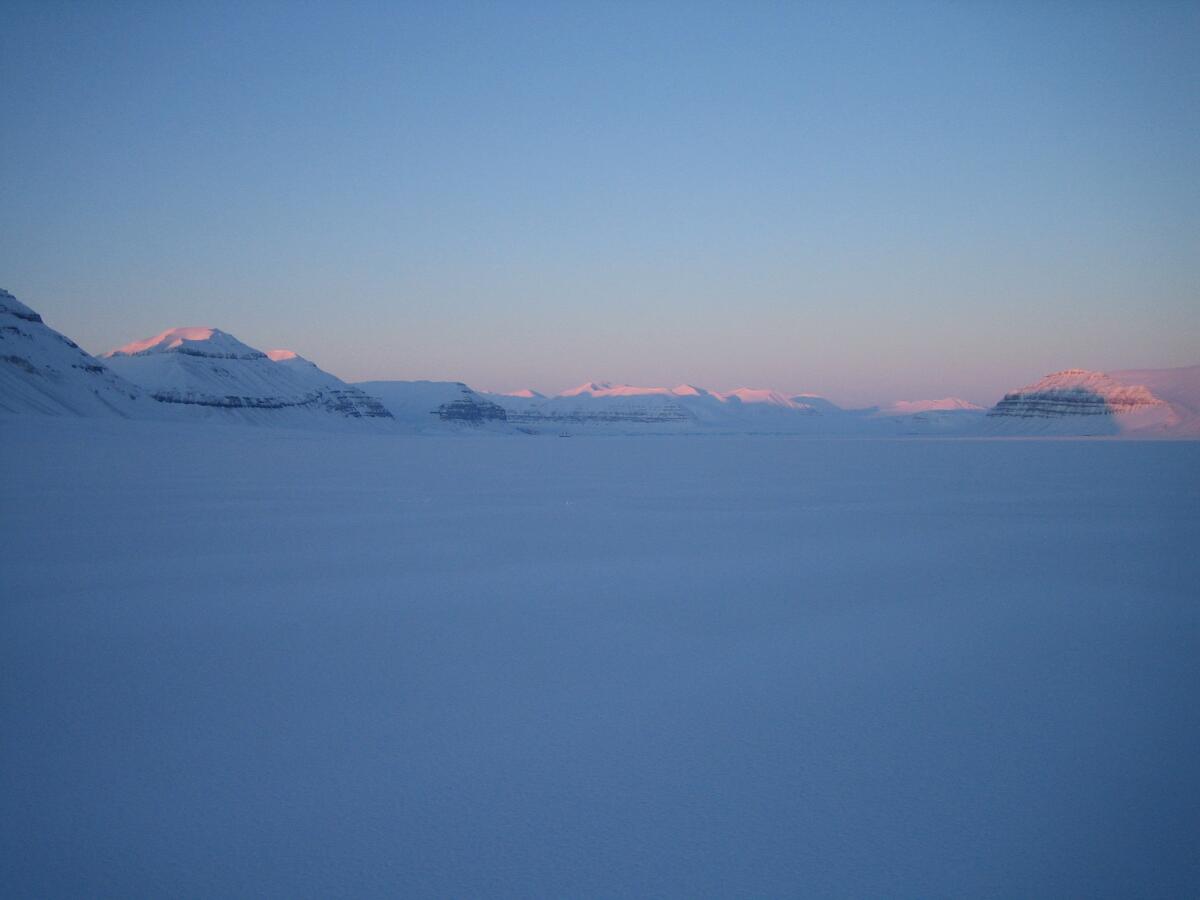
[[856, 201]]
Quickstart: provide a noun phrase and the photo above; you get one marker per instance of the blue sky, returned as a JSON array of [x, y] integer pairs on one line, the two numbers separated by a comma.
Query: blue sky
[[872, 201]]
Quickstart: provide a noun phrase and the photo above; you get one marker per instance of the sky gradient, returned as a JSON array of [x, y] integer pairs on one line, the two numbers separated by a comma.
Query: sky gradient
[[870, 201]]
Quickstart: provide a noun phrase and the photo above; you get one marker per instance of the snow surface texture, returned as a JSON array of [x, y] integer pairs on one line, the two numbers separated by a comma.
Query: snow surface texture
[[253, 662]]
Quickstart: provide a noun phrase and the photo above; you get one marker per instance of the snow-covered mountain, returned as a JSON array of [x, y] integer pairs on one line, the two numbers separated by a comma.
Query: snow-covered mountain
[[44, 373], [1083, 402], [350, 401], [607, 407], [598, 406], [753, 397], [213, 375], [209, 375], [947, 416], [1179, 388], [915, 407], [438, 405], [525, 393]]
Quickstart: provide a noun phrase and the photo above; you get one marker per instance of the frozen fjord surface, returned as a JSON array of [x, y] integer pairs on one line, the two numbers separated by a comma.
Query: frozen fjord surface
[[296, 664]]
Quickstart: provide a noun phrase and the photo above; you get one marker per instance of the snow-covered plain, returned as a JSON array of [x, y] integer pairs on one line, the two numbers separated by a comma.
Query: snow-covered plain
[[254, 662]]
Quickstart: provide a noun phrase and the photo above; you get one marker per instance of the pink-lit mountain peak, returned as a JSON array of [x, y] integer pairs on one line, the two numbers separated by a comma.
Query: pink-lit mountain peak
[[946, 404], [1119, 394], [689, 390], [608, 389], [193, 341], [760, 395], [290, 359], [525, 394]]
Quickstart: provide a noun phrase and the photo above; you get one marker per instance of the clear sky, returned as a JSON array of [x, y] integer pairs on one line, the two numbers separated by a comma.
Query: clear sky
[[872, 201]]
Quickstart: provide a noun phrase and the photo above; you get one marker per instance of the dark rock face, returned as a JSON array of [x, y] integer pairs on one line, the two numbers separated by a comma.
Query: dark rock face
[[20, 362], [1053, 404], [473, 410], [210, 354], [1074, 392], [349, 402], [18, 310], [355, 404], [232, 401]]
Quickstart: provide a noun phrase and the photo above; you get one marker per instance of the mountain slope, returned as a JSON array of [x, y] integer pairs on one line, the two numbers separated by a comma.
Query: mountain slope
[[439, 406], [344, 399], [44, 373], [1084, 402], [607, 408], [1179, 388], [215, 376], [913, 407]]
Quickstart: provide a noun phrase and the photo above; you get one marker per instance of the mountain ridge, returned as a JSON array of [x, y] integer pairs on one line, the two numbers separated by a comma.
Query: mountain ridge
[[199, 372]]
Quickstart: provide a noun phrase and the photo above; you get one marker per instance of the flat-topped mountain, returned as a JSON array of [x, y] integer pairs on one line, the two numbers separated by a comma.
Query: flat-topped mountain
[[1082, 402], [207, 343], [214, 375]]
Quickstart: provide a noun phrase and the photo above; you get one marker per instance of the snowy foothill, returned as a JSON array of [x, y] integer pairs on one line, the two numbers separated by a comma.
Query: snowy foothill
[[241, 661]]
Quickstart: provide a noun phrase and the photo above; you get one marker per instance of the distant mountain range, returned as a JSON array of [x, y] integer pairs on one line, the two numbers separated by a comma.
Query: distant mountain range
[[205, 374]]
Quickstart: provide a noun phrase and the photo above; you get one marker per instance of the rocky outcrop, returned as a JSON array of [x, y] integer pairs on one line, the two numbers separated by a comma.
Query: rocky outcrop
[[353, 404], [1083, 402], [473, 409], [439, 406], [232, 401], [1075, 392]]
